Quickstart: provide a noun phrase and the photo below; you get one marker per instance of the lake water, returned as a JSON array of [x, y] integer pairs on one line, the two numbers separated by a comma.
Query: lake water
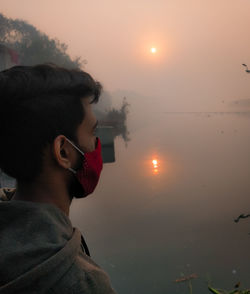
[[149, 226]]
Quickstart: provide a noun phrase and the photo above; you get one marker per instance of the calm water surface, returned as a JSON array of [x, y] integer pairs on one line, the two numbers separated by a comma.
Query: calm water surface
[[148, 226]]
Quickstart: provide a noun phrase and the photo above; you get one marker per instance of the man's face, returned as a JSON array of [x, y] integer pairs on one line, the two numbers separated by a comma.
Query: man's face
[[86, 130], [86, 142]]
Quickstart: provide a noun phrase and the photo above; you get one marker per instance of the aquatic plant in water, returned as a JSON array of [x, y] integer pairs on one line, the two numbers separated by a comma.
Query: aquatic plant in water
[[187, 279], [236, 290]]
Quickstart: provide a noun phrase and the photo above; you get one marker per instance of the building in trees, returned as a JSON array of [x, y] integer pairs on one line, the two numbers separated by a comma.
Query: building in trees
[[8, 57]]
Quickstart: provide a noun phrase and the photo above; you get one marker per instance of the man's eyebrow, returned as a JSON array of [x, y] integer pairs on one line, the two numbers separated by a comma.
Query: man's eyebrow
[[96, 124]]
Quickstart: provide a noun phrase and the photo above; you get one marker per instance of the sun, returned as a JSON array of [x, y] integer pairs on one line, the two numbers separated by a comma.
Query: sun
[[153, 50]]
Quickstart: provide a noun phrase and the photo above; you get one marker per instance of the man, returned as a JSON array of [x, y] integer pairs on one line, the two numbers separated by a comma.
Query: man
[[48, 144]]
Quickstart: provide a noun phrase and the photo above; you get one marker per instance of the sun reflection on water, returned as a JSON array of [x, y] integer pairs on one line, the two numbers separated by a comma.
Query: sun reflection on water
[[155, 166], [158, 170]]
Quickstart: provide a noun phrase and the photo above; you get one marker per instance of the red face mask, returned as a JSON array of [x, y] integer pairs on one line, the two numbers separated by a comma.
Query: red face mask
[[88, 175]]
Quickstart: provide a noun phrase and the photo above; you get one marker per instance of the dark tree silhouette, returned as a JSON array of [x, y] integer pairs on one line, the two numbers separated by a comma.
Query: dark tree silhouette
[[33, 46]]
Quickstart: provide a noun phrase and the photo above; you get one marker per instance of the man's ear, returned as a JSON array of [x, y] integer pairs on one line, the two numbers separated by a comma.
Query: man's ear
[[62, 152]]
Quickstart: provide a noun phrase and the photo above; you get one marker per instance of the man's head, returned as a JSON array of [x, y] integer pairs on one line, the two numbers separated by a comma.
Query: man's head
[[41, 106]]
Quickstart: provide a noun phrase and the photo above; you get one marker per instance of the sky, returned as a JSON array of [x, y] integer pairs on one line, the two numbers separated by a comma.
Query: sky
[[201, 46]]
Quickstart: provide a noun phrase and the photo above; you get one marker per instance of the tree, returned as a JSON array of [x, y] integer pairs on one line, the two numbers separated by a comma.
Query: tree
[[33, 46]]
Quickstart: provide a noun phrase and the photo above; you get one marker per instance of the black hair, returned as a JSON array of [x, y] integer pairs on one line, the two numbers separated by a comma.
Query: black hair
[[38, 103]]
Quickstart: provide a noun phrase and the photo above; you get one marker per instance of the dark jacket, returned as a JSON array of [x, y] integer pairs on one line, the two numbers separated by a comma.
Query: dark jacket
[[40, 252]]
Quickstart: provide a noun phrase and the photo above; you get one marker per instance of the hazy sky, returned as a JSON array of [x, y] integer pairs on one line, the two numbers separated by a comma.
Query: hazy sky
[[200, 45]]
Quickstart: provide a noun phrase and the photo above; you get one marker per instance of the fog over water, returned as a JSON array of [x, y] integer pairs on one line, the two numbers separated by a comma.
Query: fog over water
[[147, 229], [190, 110]]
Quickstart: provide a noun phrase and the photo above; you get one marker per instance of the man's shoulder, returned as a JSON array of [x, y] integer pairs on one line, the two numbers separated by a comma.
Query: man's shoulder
[[84, 276]]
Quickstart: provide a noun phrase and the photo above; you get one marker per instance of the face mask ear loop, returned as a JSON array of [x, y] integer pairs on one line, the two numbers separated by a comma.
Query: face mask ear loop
[[75, 146], [71, 169]]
